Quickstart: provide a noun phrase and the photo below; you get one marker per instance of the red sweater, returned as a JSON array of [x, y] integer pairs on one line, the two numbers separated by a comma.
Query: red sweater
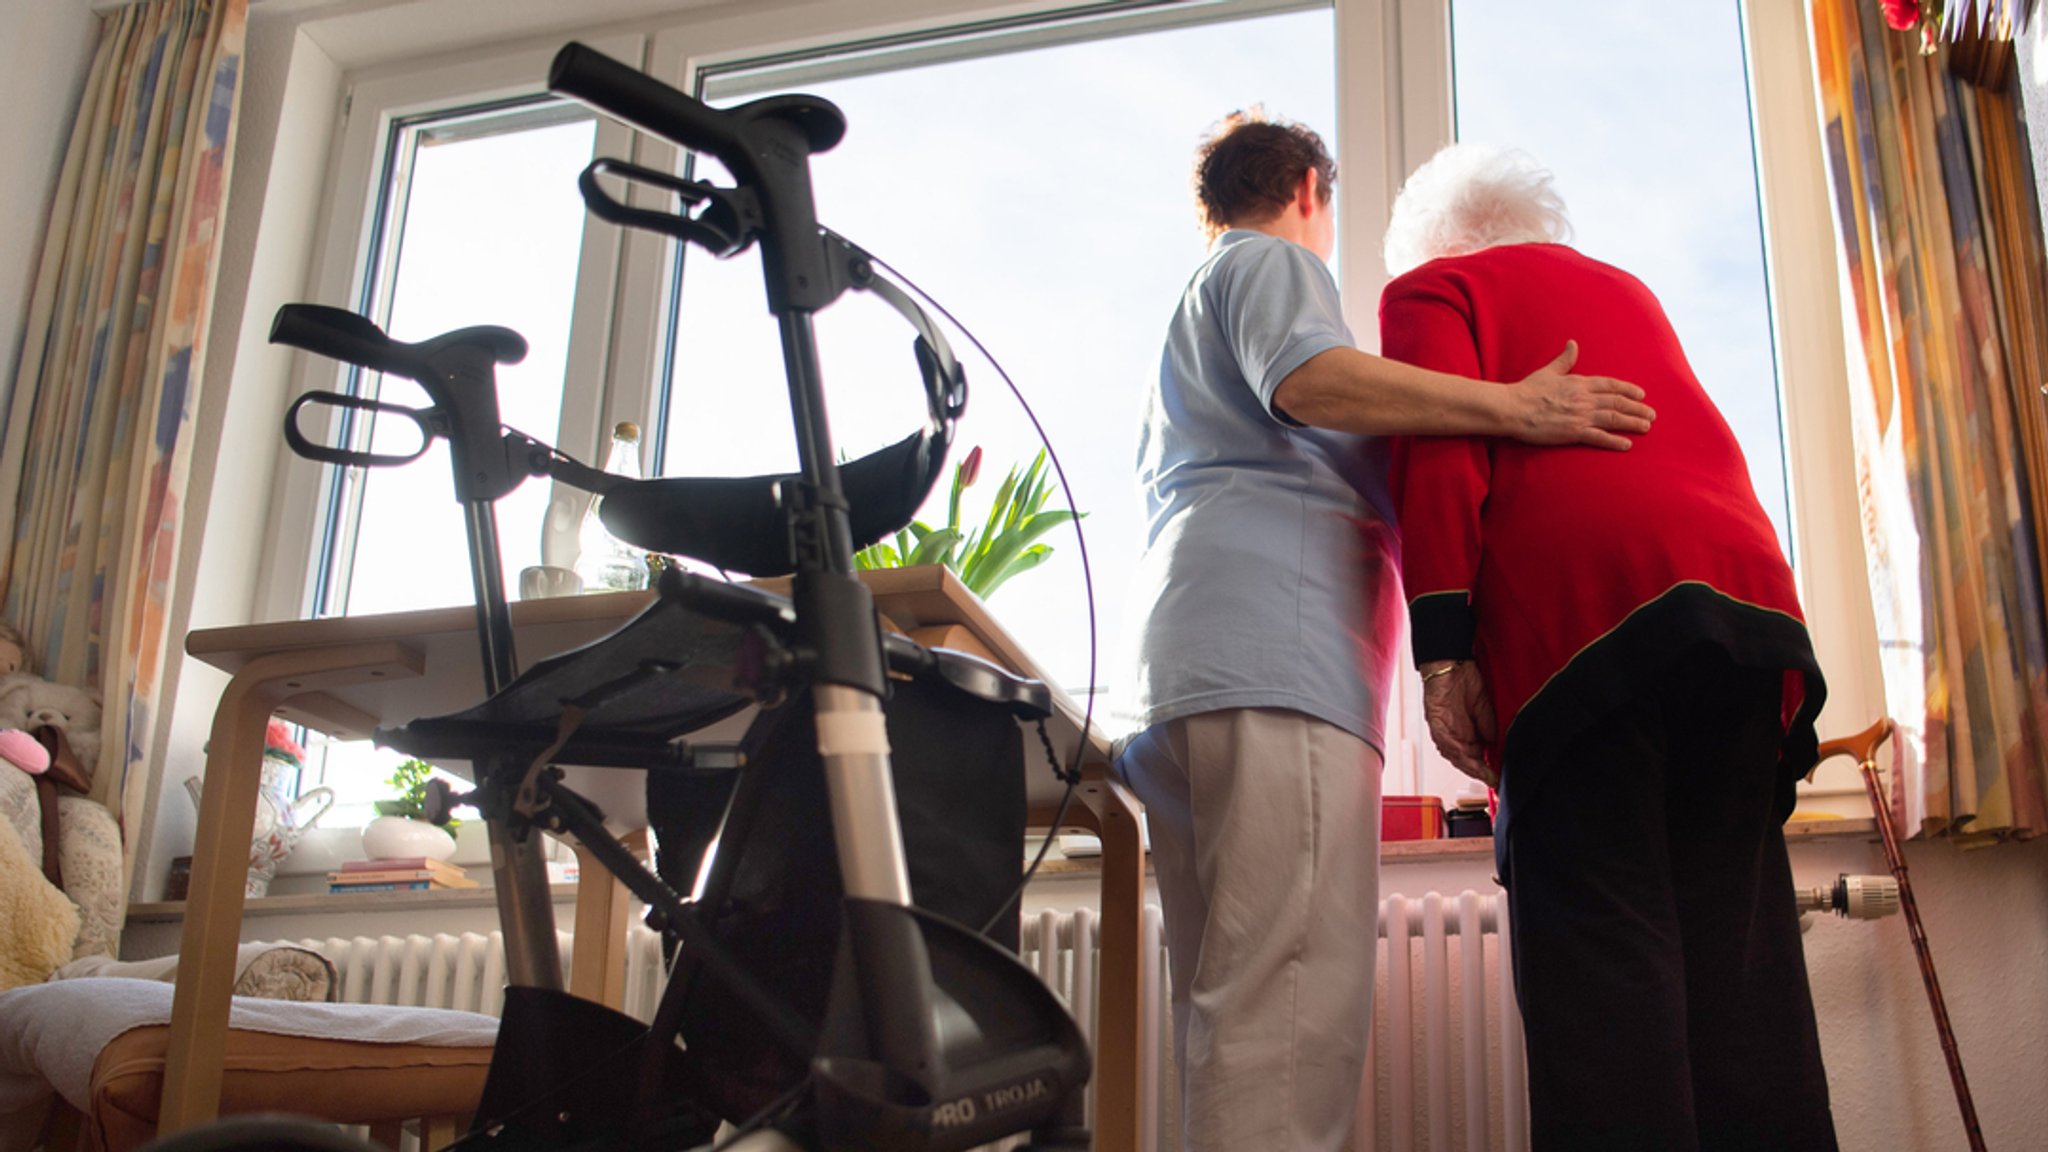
[[1572, 574]]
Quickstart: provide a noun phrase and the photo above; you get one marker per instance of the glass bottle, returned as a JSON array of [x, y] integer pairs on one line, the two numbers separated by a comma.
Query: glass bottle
[[605, 562]]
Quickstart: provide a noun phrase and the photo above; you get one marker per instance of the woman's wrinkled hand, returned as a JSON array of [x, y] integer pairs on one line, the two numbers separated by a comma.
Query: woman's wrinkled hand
[[1460, 715], [1556, 407]]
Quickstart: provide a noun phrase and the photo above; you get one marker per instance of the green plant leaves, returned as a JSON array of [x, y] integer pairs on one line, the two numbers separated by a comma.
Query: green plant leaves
[[409, 780], [1004, 545]]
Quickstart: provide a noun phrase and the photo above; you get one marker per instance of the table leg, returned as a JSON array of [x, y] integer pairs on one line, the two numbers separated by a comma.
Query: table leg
[[438, 1132], [1121, 994], [597, 970], [220, 857]]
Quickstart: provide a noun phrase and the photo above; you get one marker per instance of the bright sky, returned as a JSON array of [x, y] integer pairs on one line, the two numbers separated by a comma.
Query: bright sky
[[1042, 197], [1643, 114]]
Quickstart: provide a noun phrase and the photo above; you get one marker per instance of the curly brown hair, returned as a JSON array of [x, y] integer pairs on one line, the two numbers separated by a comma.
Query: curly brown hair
[[1249, 165]]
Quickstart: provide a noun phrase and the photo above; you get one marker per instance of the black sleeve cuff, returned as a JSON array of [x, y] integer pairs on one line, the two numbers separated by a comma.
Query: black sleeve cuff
[[1440, 626]]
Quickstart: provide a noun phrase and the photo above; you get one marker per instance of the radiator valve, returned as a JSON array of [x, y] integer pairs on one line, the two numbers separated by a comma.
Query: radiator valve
[[1853, 897]]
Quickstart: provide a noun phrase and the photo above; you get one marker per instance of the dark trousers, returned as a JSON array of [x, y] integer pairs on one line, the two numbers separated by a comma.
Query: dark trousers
[[1656, 944]]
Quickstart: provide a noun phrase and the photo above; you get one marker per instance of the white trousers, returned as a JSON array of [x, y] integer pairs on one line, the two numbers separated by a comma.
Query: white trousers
[[1265, 841]]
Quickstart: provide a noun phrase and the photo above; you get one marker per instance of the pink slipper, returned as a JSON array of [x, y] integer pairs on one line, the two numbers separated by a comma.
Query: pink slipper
[[24, 751]]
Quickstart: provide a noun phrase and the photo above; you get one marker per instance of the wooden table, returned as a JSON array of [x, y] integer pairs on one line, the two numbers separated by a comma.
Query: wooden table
[[347, 675]]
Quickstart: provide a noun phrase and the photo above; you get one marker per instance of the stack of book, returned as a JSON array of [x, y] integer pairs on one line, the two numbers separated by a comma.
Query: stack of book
[[409, 874]]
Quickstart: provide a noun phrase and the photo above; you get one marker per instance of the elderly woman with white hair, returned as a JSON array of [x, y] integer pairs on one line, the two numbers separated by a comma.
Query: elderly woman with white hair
[[1614, 639]]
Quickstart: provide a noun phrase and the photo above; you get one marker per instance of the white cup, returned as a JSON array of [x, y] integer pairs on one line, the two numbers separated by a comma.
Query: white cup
[[543, 581]]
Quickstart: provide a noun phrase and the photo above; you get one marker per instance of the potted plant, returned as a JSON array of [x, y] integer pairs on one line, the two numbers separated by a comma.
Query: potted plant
[[401, 829], [1004, 545]]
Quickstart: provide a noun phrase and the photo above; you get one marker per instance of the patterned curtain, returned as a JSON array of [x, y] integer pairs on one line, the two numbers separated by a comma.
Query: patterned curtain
[[1938, 231], [97, 440]]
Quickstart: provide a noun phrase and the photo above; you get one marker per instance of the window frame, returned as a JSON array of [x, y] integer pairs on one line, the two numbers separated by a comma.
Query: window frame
[[1393, 83], [1813, 375], [372, 103]]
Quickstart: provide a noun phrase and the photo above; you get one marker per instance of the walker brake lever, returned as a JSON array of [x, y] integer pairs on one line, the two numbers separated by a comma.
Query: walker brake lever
[[430, 421], [442, 799], [723, 221]]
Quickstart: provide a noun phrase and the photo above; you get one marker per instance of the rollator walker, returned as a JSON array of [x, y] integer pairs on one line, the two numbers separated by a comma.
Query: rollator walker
[[829, 989]]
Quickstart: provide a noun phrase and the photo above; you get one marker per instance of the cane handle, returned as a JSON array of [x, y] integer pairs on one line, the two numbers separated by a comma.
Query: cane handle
[[1862, 746]]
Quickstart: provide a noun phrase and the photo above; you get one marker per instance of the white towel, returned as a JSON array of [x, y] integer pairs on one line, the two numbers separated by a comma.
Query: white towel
[[50, 1034]]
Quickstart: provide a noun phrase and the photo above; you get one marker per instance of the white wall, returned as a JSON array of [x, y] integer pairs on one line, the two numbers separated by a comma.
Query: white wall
[[48, 48], [2033, 79]]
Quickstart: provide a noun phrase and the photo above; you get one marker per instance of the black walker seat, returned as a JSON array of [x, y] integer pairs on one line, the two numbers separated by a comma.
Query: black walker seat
[[663, 675]]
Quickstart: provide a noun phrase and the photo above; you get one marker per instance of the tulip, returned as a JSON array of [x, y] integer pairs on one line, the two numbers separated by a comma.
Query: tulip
[[277, 741], [1902, 15]]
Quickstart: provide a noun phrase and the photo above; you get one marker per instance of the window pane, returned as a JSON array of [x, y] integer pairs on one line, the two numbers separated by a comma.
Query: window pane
[[486, 231], [1642, 111], [1042, 197], [482, 225]]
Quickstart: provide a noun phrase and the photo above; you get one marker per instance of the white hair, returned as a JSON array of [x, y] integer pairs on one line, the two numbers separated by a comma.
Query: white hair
[[1470, 197]]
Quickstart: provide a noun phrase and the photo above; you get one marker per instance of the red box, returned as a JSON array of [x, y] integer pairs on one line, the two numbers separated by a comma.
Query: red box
[[1411, 818]]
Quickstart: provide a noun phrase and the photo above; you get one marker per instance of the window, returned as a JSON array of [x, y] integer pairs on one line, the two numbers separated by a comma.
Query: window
[[1040, 194], [1029, 170], [454, 204], [1643, 114], [481, 224]]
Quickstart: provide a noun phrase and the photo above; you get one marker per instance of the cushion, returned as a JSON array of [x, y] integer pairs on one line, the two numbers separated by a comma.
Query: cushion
[[289, 973], [37, 922], [346, 1081], [90, 849], [265, 971], [54, 1036], [22, 811]]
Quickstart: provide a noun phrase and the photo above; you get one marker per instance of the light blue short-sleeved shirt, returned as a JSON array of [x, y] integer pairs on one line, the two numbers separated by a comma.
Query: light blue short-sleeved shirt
[[1270, 572]]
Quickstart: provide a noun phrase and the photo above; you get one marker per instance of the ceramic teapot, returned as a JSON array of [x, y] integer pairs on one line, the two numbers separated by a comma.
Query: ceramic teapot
[[280, 820]]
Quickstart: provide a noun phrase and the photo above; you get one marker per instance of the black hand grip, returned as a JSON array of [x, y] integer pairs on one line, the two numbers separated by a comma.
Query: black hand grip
[[766, 144], [305, 446], [722, 222], [338, 334], [640, 100]]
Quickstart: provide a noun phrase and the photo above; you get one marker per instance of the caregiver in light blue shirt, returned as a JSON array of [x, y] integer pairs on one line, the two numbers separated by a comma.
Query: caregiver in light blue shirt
[[1269, 545]]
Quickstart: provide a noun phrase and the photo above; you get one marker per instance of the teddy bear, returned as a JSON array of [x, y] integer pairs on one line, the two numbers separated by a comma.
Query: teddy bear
[[48, 932], [38, 924], [29, 702], [87, 855]]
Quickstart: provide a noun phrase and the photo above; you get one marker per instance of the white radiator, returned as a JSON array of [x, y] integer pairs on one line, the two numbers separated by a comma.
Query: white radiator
[[1444, 1066], [1071, 968], [466, 971], [1443, 1069]]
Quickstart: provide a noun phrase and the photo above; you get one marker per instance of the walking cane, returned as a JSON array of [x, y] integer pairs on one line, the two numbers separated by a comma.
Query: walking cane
[[1863, 746]]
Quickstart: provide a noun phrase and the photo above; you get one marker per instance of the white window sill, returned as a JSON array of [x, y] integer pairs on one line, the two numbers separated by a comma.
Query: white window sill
[[370, 903]]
